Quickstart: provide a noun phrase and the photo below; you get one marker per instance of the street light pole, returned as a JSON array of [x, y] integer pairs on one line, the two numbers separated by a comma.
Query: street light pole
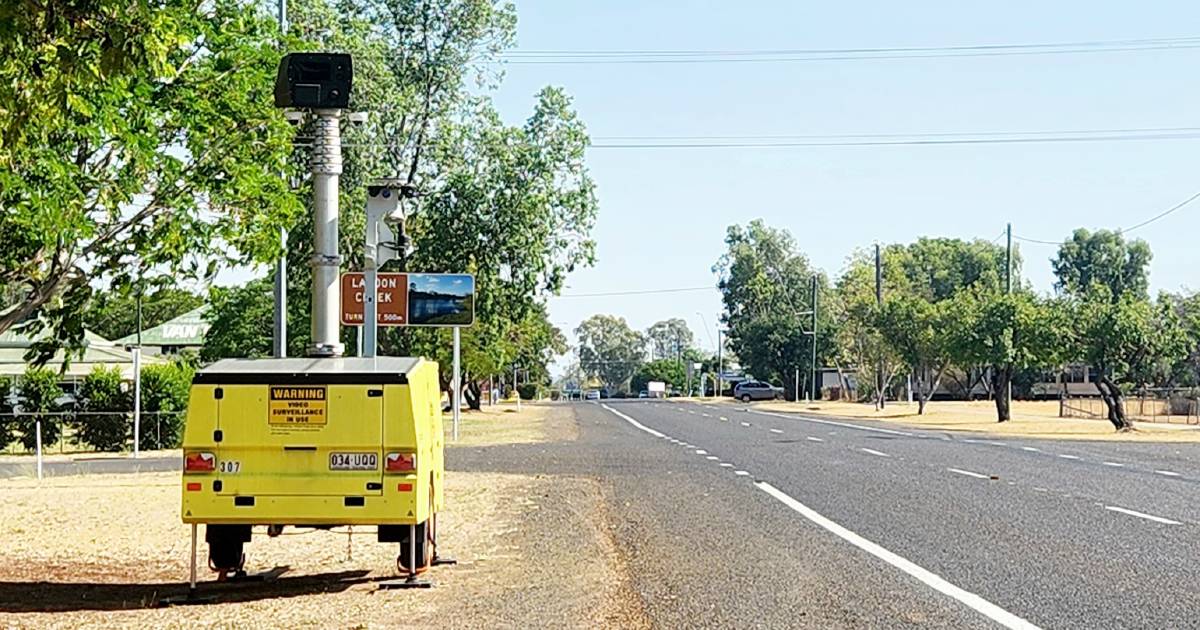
[[815, 388]]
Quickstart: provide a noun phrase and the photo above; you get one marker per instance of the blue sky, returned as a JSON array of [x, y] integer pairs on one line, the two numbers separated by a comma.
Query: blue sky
[[663, 213]]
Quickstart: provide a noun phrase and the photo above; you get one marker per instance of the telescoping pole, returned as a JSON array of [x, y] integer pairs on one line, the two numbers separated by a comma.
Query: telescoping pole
[[326, 169]]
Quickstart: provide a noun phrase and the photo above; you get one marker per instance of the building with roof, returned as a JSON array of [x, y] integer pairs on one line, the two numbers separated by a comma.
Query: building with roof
[[172, 336], [96, 351]]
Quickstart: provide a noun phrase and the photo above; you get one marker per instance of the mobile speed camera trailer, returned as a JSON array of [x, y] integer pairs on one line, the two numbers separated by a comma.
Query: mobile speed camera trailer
[[322, 441]]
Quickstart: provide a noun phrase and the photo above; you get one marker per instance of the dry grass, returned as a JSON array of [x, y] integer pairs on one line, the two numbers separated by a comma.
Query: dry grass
[[1029, 419], [503, 424], [100, 551]]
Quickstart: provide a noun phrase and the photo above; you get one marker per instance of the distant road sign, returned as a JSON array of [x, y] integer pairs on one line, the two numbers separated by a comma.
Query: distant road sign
[[392, 309], [412, 299]]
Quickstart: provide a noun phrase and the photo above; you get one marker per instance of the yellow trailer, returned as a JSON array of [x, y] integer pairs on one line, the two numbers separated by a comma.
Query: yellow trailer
[[315, 442]]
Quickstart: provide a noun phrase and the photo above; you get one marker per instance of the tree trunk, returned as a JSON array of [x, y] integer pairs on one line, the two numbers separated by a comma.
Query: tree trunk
[[472, 394], [1113, 400], [1000, 379]]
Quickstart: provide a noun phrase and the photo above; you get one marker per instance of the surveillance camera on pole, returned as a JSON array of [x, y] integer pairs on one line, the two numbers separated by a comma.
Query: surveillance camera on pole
[[381, 245], [320, 83]]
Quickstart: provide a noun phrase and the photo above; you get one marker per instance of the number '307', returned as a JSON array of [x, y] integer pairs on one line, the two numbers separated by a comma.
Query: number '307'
[[230, 466]]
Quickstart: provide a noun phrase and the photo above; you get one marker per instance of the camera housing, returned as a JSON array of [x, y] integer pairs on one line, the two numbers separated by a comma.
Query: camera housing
[[314, 80]]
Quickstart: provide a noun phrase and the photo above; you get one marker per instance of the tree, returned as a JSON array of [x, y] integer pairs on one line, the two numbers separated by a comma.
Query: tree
[[241, 323], [1103, 258], [669, 338], [165, 390], [114, 315], [668, 371], [915, 329], [157, 151], [1116, 330], [40, 401], [1004, 332], [1122, 340], [766, 288], [102, 421], [7, 385], [1187, 308], [609, 349]]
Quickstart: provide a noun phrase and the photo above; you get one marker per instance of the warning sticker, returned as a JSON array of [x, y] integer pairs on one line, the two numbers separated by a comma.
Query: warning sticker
[[297, 405]]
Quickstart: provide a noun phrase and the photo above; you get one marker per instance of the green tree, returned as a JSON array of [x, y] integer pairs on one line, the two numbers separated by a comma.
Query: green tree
[[114, 315], [1103, 258], [767, 291], [165, 390], [160, 156], [1187, 371], [241, 323], [1005, 333], [609, 349], [103, 421], [669, 338], [668, 371], [1123, 339], [915, 328], [40, 395]]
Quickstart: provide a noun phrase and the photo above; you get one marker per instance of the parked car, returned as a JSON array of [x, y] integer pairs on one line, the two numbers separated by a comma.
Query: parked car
[[592, 394], [643, 394], [756, 390]]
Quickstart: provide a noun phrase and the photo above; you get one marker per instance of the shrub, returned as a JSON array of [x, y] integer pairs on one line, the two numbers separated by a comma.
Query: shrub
[[103, 421], [40, 393], [164, 401], [527, 391]]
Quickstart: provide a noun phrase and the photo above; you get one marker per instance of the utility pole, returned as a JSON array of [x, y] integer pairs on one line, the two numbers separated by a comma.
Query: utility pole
[[279, 330], [137, 373], [1008, 289], [720, 365], [879, 303], [815, 388]]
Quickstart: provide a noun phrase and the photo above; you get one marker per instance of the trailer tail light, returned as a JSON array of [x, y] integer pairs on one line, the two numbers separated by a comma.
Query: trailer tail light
[[197, 461], [400, 462]]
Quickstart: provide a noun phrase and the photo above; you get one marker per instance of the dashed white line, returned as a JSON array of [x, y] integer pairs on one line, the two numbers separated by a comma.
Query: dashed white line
[[745, 424], [967, 473], [776, 431], [814, 439], [712, 458], [740, 473], [934, 581], [1069, 456], [701, 451], [971, 441], [1167, 473], [706, 415], [724, 419], [833, 423], [998, 443], [1149, 517], [874, 452], [726, 465], [1031, 449], [1113, 464]]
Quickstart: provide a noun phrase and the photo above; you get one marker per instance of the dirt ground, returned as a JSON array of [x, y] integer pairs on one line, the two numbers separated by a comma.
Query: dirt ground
[[101, 551], [502, 424], [1029, 418]]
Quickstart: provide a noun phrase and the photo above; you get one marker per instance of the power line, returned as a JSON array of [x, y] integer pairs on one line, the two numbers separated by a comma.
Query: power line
[[1127, 230], [638, 292], [927, 134], [618, 57]]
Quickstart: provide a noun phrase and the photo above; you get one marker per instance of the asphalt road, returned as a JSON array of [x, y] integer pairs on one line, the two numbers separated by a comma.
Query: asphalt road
[[729, 517], [89, 466]]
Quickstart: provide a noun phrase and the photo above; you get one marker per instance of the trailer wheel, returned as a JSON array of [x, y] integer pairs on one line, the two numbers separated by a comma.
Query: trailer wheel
[[424, 549], [225, 544]]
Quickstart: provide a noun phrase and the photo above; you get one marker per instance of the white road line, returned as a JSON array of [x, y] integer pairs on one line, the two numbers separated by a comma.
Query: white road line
[[1039, 489], [1031, 449], [724, 419], [1149, 517], [1167, 473], [831, 422], [874, 452], [971, 441], [701, 451], [745, 424], [726, 465], [633, 422], [740, 473], [712, 458], [1069, 456], [706, 415], [967, 473], [814, 439], [1113, 464], [998, 443], [937, 583], [776, 431]]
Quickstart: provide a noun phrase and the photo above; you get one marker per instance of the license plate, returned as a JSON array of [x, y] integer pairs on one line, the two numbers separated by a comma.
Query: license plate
[[353, 461]]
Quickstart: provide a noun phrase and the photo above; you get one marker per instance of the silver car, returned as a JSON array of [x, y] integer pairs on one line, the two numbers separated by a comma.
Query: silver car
[[756, 390]]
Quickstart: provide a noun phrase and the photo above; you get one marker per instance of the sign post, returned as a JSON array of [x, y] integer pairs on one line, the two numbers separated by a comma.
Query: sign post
[[456, 399]]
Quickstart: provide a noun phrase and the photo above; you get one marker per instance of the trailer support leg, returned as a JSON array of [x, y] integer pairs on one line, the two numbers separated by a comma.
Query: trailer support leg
[[192, 575], [411, 580]]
